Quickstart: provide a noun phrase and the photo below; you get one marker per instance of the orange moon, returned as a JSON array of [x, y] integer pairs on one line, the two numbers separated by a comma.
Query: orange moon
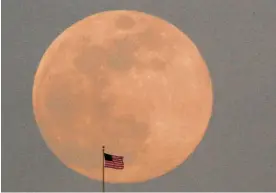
[[127, 80]]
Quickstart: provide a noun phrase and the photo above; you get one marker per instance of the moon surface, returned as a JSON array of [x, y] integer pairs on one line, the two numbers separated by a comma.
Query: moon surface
[[127, 80]]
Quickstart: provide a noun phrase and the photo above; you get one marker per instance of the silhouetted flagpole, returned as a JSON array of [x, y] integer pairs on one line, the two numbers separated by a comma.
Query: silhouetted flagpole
[[103, 169]]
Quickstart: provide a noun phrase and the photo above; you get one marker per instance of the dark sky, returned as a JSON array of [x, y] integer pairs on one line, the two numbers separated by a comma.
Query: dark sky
[[237, 40]]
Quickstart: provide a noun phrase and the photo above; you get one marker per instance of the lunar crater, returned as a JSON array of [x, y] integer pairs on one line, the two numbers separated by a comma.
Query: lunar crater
[[124, 22], [89, 60], [130, 135]]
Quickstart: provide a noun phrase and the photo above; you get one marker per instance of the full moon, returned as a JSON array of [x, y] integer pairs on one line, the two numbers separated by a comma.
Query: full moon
[[127, 80]]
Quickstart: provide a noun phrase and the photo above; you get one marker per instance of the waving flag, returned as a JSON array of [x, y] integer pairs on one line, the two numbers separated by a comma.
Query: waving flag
[[113, 161]]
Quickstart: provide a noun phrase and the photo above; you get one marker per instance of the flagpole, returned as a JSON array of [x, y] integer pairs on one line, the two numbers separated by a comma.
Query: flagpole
[[103, 170]]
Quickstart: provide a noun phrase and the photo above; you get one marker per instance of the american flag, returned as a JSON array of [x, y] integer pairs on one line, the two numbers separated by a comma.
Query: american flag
[[113, 161]]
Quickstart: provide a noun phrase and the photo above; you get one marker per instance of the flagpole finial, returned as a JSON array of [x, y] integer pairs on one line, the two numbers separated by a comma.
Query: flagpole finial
[[103, 146]]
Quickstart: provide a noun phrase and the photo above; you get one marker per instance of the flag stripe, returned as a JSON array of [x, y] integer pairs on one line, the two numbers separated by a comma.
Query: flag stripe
[[111, 164], [114, 166]]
